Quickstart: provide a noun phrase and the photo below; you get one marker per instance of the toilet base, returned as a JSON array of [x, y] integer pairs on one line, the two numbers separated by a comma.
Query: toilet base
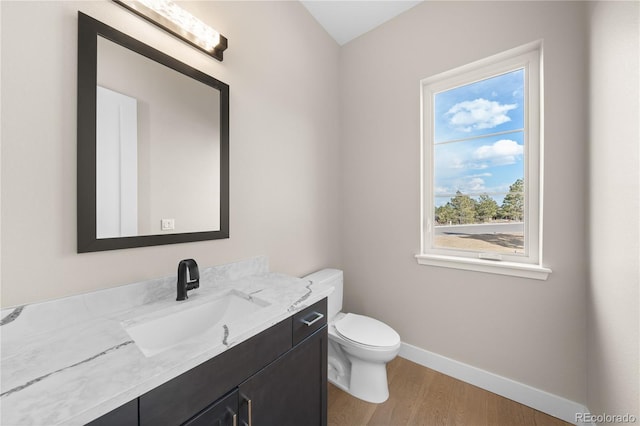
[[339, 384], [339, 371], [369, 381], [365, 380]]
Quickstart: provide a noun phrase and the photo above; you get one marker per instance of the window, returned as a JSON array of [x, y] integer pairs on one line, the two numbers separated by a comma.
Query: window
[[482, 165]]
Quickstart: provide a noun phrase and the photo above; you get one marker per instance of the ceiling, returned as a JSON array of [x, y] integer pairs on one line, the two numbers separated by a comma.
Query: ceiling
[[345, 20]]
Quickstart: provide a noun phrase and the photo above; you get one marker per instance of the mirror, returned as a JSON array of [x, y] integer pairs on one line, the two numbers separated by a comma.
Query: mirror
[[153, 145]]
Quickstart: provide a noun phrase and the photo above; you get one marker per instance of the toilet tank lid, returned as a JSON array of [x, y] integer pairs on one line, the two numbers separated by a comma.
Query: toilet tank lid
[[324, 276], [367, 331]]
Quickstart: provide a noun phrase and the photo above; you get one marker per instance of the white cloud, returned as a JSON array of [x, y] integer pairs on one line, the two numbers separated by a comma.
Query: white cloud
[[500, 153], [465, 184], [479, 114], [475, 185]]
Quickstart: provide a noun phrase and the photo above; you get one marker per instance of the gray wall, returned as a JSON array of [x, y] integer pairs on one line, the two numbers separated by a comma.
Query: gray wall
[[531, 331], [285, 168], [614, 208]]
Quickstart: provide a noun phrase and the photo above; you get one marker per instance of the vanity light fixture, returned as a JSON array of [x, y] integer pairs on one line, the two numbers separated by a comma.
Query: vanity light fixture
[[182, 24]]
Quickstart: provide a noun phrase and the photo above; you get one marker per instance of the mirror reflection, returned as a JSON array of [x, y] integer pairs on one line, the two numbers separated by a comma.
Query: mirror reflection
[[157, 148]]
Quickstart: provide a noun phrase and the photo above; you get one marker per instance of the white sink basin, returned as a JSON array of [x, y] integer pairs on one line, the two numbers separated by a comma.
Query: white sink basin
[[209, 319]]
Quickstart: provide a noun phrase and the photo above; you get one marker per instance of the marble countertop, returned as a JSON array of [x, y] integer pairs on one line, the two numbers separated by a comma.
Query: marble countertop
[[69, 361]]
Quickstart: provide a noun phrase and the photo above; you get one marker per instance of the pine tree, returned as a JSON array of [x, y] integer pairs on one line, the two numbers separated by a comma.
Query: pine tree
[[513, 204], [486, 208], [465, 208], [446, 214]]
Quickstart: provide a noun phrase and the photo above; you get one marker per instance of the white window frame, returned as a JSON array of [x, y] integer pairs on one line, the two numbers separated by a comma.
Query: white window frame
[[528, 265]]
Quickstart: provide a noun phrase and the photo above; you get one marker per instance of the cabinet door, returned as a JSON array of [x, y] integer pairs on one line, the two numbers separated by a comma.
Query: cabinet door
[[222, 413], [291, 391]]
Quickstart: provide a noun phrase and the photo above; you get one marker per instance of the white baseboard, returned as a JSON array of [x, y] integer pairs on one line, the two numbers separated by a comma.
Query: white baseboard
[[540, 400]]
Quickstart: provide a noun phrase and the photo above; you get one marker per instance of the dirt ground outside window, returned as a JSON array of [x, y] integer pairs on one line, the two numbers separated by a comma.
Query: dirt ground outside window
[[511, 243]]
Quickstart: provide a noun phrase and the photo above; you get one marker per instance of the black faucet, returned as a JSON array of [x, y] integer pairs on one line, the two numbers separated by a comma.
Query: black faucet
[[188, 277]]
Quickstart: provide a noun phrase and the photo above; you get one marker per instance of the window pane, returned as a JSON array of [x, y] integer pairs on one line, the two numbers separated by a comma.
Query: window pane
[[488, 106], [487, 165], [479, 194]]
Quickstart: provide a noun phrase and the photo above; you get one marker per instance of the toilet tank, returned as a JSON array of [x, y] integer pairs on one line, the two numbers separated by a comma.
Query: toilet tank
[[333, 278]]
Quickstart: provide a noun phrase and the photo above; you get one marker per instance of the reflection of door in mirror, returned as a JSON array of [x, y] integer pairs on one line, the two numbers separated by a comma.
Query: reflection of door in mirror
[[116, 164], [177, 164]]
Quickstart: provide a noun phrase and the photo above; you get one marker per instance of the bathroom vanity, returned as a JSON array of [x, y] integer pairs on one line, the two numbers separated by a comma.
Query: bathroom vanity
[[277, 377], [79, 361]]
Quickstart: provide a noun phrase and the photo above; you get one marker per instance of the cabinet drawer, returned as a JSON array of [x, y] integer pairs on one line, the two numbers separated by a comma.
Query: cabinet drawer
[[309, 320]]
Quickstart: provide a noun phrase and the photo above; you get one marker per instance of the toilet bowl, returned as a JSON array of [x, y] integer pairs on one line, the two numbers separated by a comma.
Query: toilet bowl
[[359, 346]]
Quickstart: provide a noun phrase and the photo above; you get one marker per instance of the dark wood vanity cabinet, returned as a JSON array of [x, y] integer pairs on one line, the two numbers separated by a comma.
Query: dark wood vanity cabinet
[[291, 391], [276, 378]]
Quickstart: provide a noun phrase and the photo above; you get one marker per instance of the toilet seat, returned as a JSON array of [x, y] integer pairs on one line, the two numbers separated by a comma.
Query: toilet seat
[[366, 331]]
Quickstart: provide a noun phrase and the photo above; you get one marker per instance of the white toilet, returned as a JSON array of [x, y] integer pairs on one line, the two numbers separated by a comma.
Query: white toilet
[[359, 346]]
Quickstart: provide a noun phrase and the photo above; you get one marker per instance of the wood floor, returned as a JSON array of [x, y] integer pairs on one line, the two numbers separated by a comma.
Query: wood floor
[[420, 396]]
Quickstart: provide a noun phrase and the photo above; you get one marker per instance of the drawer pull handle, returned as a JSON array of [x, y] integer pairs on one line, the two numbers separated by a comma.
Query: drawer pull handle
[[249, 409], [234, 416], [318, 317]]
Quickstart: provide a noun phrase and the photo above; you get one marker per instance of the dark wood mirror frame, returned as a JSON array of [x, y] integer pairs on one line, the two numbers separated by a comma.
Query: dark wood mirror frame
[[88, 31]]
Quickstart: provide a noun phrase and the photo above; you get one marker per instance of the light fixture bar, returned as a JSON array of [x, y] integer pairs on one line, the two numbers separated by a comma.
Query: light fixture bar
[[177, 21]]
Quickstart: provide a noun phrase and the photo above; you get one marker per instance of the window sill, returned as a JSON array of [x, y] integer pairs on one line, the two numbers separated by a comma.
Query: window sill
[[522, 270]]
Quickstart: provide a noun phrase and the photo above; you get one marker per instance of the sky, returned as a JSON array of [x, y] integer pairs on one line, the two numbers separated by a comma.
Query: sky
[[468, 155]]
